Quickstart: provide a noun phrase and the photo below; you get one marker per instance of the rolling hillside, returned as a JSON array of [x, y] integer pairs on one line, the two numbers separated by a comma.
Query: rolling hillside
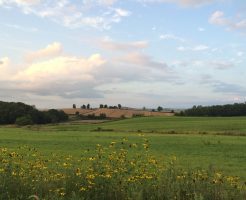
[[115, 113]]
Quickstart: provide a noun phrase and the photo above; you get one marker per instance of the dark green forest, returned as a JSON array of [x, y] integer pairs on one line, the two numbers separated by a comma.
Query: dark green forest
[[228, 110], [23, 114]]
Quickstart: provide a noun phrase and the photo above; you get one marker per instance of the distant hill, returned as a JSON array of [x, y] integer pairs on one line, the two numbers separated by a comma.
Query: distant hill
[[115, 113]]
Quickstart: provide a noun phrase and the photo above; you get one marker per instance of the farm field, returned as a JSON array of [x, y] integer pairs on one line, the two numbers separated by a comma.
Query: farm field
[[192, 140], [204, 143]]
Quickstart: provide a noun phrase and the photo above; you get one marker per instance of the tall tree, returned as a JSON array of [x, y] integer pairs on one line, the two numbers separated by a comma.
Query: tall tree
[[88, 106]]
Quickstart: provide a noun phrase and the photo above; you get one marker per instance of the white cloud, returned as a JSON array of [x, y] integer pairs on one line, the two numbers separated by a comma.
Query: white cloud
[[143, 61], [171, 37], [182, 2], [200, 48], [218, 18], [221, 64], [51, 50], [5, 70], [181, 48], [240, 53], [213, 64], [200, 29], [107, 2], [4, 62], [71, 15], [109, 44], [195, 48], [22, 28], [61, 68], [25, 2], [78, 77]]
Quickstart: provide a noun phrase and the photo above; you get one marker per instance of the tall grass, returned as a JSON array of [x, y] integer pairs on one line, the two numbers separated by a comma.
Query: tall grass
[[121, 170]]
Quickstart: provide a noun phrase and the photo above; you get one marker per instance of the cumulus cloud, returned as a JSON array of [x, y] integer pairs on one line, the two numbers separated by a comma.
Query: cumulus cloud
[[218, 18], [69, 14], [70, 76], [62, 76], [51, 50]]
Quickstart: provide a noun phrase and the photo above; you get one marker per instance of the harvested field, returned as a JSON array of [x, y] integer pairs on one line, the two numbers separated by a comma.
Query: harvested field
[[115, 113]]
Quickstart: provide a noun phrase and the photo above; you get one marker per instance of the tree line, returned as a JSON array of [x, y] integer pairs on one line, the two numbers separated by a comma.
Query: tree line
[[23, 114], [88, 106], [236, 109]]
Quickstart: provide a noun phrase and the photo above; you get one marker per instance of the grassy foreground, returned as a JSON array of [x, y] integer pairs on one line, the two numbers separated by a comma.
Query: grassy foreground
[[207, 163]]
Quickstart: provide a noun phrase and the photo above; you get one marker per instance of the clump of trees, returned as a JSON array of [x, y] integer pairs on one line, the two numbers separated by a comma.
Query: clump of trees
[[23, 114], [236, 109], [88, 106], [110, 107]]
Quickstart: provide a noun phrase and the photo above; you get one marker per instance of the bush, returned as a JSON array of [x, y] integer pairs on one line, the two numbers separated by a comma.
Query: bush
[[24, 120]]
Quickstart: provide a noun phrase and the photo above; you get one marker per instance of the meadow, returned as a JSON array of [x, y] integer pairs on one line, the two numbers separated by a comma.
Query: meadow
[[187, 145]]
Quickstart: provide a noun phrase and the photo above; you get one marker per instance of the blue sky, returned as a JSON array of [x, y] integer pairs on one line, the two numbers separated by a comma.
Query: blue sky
[[173, 53]]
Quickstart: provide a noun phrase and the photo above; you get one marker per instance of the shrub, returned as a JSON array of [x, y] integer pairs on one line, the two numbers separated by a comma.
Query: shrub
[[24, 120]]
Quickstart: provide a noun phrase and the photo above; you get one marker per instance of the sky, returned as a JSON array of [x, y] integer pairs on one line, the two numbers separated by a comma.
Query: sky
[[137, 53]]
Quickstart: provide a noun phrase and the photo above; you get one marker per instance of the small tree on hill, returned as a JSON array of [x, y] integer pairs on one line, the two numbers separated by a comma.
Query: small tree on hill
[[119, 106], [83, 106], [74, 106], [160, 108], [88, 106]]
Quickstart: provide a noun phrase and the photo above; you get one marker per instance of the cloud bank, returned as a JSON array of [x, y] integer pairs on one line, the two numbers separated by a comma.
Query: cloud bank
[[48, 71]]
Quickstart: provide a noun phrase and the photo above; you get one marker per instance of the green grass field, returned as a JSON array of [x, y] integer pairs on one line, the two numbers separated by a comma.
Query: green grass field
[[194, 141]]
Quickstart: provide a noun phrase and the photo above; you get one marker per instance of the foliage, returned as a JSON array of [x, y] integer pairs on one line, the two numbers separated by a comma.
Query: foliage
[[88, 106], [55, 116], [121, 170], [22, 114], [236, 109], [159, 109], [83, 106], [24, 120]]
